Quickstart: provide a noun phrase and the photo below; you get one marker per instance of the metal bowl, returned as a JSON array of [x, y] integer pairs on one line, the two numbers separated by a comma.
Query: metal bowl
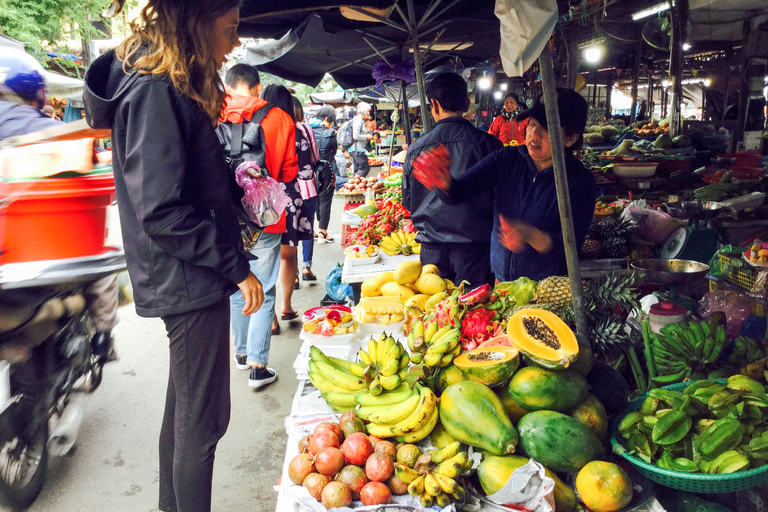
[[694, 209], [663, 271]]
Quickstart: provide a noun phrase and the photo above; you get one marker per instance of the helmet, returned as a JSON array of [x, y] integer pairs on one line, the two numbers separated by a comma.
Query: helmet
[[22, 74]]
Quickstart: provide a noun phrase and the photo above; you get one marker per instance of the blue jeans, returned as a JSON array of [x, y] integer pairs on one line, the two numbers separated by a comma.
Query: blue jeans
[[252, 334], [308, 246]]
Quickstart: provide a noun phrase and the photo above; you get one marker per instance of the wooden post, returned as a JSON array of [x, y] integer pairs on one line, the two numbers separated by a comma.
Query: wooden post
[[406, 116], [549, 85], [679, 20], [594, 91], [727, 91], [650, 96], [635, 78], [738, 132], [573, 60], [608, 93], [426, 117]]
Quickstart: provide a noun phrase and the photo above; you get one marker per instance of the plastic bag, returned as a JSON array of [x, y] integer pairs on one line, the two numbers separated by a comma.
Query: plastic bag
[[264, 199], [715, 269], [653, 226], [736, 306], [335, 289], [683, 502]]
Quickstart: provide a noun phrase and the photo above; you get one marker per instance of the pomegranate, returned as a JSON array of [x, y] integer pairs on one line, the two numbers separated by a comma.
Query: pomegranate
[[315, 483], [300, 466], [333, 427], [322, 439], [304, 443], [375, 493], [357, 448], [408, 454], [329, 461], [347, 415], [374, 440], [351, 425], [397, 486], [386, 448], [336, 494], [379, 467], [354, 477]]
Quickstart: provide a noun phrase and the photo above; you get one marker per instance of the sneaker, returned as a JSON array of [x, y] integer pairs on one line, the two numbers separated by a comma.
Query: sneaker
[[242, 362], [261, 377]]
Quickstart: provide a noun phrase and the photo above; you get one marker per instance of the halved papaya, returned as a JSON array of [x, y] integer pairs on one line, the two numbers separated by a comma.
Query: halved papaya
[[491, 366], [543, 338]]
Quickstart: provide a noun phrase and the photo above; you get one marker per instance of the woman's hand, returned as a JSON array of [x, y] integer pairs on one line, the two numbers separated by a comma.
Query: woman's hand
[[252, 293], [432, 168], [517, 236]]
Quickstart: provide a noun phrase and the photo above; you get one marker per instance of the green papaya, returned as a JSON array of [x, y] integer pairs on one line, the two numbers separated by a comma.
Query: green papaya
[[473, 414], [558, 441], [538, 389]]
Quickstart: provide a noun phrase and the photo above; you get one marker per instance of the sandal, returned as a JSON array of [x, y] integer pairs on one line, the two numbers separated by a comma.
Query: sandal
[[307, 275], [276, 330], [289, 316], [325, 238]]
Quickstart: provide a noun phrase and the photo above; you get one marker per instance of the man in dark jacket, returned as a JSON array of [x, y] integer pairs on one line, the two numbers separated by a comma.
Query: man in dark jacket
[[455, 237]]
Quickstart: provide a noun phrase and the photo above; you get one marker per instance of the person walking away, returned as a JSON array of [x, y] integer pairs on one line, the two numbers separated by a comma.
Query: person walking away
[[455, 237], [309, 158], [359, 150], [528, 238], [252, 335], [22, 111], [160, 93], [327, 146], [297, 226], [508, 127]]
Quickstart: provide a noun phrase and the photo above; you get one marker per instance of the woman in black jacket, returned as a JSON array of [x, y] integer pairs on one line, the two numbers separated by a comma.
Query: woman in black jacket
[[327, 145], [161, 95]]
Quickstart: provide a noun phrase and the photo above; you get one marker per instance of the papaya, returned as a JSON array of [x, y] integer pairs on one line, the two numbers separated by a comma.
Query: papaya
[[591, 413], [494, 471], [492, 366], [543, 338], [472, 413], [447, 376], [513, 409], [604, 486], [538, 389], [557, 441], [585, 360]]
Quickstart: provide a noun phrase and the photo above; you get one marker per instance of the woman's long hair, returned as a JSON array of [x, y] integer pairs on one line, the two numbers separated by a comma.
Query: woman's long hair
[[173, 38], [280, 97]]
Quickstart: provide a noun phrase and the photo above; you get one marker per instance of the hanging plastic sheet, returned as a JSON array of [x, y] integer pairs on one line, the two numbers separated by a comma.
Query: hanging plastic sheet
[[525, 28]]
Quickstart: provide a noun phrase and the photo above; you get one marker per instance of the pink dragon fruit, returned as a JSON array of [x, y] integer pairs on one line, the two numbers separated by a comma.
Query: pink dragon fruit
[[477, 326], [479, 295]]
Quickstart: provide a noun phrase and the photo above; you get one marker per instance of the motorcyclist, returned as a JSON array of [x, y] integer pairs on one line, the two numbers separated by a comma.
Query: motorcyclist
[[22, 96]]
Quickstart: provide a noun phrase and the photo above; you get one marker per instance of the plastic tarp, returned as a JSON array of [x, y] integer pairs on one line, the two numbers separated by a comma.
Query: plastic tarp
[[525, 28], [62, 86]]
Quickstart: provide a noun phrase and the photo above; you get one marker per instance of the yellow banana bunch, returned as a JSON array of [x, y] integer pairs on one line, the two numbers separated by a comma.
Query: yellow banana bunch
[[400, 242], [384, 365], [433, 478]]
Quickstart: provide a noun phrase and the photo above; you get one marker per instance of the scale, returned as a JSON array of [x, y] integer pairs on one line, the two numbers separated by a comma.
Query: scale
[[697, 242]]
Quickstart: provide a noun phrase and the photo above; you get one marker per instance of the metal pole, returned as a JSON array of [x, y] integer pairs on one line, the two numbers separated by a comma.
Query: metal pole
[[650, 96], [635, 78], [679, 20], [608, 93], [406, 115], [738, 132], [426, 117], [549, 85]]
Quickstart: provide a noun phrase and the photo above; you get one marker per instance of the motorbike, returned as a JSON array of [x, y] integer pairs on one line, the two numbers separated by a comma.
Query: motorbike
[[48, 369]]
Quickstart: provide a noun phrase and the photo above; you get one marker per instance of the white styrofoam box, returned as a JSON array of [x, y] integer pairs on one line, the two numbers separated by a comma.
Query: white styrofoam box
[[301, 363], [326, 341]]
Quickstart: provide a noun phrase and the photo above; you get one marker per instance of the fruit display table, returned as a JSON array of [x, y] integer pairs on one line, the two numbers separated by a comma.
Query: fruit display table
[[386, 263]]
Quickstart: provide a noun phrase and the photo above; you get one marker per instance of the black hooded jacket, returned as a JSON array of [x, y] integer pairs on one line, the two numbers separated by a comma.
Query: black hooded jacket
[[177, 214]]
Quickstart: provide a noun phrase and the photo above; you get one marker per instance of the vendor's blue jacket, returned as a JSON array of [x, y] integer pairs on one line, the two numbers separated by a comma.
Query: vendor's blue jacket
[[526, 195], [437, 222], [16, 119]]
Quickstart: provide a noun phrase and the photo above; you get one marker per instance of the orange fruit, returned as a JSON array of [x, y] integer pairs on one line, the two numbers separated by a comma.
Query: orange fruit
[[604, 486]]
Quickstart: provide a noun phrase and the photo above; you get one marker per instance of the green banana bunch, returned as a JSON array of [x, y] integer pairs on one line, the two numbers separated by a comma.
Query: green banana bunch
[[679, 350], [434, 346], [384, 365], [337, 384]]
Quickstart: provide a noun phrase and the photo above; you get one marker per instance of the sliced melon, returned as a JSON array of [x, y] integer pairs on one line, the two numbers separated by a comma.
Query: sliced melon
[[543, 338], [491, 366]]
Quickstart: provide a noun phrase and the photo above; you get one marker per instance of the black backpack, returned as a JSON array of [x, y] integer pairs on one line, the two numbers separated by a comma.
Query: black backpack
[[244, 142]]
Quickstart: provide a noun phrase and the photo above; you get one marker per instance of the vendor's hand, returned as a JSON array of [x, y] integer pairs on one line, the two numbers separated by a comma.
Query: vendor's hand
[[369, 136], [517, 236], [252, 293], [432, 168]]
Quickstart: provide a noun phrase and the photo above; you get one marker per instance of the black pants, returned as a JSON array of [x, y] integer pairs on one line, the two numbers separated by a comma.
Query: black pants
[[324, 196], [197, 406], [362, 168], [460, 262]]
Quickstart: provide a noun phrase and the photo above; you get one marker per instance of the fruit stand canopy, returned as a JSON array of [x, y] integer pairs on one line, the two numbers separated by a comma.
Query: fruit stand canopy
[[307, 41]]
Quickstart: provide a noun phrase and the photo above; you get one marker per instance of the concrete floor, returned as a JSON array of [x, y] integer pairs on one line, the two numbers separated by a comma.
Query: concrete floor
[[113, 466]]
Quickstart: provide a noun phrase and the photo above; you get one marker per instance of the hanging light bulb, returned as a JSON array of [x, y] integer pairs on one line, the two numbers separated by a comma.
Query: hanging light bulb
[[484, 82], [593, 54], [497, 95], [503, 86]]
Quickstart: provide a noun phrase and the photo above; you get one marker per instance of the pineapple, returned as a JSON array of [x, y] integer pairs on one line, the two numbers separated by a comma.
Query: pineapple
[[615, 289], [555, 290], [615, 247], [591, 249], [608, 336]]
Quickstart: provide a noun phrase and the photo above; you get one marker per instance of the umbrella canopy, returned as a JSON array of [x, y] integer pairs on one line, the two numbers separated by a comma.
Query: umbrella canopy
[[324, 41]]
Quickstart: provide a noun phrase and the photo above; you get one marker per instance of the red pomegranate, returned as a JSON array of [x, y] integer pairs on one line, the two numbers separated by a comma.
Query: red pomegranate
[[386, 448], [375, 493], [397, 486], [379, 467], [329, 461], [374, 440], [354, 477], [323, 439], [304, 443], [315, 483], [347, 415], [336, 494], [300, 466], [357, 448], [333, 427]]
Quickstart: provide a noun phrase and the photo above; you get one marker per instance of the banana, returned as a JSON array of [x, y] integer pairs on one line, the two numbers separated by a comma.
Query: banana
[[417, 357], [432, 359], [365, 358], [391, 414], [395, 396], [383, 348], [376, 388], [446, 453], [675, 377], [377, 430], [390, 382], [373, 347], [390, 368], [416, 249], [357, 369], [418, 330], [430, 331], [447, 485], [427, 402], [321, 383], [340, 378], [454, 466], [341, 364], [343, 399], [431, 486], [423, 432], [403, 374], [394, 352], [404, 360], [405, 473], [460, 493], [427, 500], [416, 487], [439, 334], [442, 500], [411, 339]]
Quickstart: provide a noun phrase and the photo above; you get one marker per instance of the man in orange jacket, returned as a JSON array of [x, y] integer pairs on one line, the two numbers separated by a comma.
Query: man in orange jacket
[[252, 335]]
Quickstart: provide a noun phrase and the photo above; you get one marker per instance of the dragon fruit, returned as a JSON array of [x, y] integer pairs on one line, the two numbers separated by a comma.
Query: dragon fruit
[[477, 326], [447, 312], [479, 295]]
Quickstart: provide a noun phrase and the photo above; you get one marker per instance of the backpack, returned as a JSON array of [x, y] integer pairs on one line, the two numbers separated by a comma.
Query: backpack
[[344, 135]]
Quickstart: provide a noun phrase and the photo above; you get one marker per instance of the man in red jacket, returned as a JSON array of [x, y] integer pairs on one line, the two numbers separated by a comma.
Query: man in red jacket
[[252, 335]]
